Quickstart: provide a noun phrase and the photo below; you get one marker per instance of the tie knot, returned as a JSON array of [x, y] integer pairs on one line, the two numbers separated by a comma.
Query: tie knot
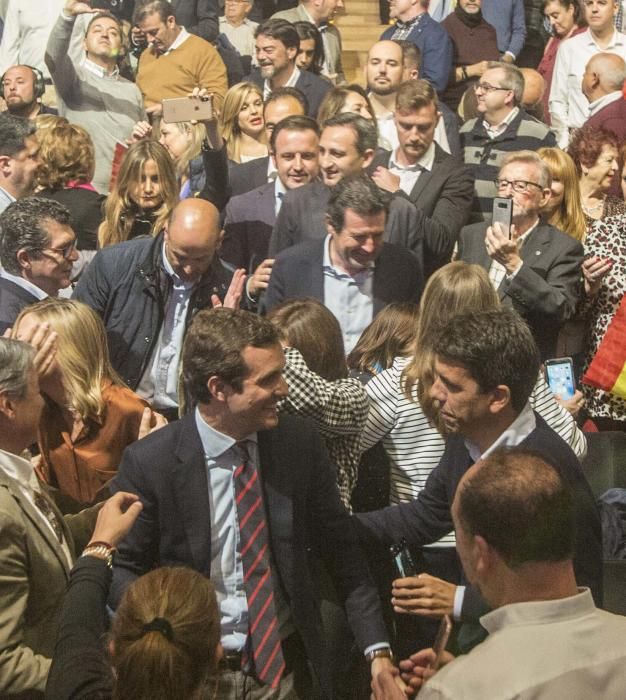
[[242, 447]]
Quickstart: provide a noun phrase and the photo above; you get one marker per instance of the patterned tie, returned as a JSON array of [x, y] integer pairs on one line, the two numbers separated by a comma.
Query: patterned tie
[[263, 634], [44, 506]]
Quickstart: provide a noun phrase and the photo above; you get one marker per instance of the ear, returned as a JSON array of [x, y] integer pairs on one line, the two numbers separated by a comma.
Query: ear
[[5, 165], [218, 388], [368, 157], [500, 399], [23, 259], [7, 406], [171, 21], [414, 74], [482, 557], [292, 53], [220, 238], [329, 227]]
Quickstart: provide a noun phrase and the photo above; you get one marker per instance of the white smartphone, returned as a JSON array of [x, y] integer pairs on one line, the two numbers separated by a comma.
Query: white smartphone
[[560, 376]]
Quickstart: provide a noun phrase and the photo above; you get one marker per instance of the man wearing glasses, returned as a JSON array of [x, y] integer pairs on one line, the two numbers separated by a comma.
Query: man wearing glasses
[[534, 267], [502, 127], [37, 251]]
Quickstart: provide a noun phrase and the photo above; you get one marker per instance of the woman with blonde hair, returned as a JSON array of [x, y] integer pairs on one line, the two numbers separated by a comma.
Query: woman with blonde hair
[[144, 195], [243, 127], [564, 209], [90, 415]]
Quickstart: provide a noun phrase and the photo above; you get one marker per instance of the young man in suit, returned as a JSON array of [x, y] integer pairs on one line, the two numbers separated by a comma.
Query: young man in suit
[[535, 268], [420, 170], [351, 270], [250, 500]]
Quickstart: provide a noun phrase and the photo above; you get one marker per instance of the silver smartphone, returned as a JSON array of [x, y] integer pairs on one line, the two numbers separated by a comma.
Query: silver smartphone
[[503, 214], [186, 109]]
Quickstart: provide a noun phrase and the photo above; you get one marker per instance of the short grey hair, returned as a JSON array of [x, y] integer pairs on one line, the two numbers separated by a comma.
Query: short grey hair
[[513, 79], [530, 158], [16, 363]]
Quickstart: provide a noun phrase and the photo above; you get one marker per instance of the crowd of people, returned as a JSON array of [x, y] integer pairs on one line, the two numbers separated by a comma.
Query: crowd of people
[[274, 408]]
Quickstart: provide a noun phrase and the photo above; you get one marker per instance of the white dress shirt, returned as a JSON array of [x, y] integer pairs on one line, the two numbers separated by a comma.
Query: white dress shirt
[[409, 174], [604, 101], [293, 79]]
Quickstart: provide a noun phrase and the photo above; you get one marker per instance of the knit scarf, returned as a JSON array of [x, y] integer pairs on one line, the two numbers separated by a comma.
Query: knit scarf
[[469, 20]]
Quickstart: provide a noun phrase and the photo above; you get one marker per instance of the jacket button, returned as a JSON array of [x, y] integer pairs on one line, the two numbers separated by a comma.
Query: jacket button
[[147, 339]]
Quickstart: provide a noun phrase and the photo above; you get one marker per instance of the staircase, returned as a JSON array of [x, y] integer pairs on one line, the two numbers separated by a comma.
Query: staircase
[[360, 27]]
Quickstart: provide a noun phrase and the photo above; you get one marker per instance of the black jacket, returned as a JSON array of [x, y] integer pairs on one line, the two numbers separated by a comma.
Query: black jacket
[[128, 287], [13, 299]]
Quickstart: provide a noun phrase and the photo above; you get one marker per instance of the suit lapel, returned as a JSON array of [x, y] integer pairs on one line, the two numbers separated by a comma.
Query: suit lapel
[[532, 250], [266, 203], [426, 176], [191, 491]]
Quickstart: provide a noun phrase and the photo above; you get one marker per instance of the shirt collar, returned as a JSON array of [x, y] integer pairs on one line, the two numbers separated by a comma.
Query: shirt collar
[[24, 284], [95, 69], [616, 40], [8, 194], [517, 432], [415, 20], [279, 188], [293, 79], [19, 469], [182, 36], [214, 443], [604, 101], [424, 163], [504, 123]]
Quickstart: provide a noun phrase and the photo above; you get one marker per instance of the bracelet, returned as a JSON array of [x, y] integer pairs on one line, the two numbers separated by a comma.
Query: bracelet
[[100, 550]]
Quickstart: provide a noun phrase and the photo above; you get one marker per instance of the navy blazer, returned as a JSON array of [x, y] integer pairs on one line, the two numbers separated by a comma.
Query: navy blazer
[[305, 517], [312, 86], [13, 299], [297, 272], [428, 517]]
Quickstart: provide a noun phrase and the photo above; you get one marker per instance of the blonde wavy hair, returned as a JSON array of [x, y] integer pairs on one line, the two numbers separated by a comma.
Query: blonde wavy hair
[[569, 217], [82, 353], [67, 154], [120, 210], [456, 288], [234, 100]]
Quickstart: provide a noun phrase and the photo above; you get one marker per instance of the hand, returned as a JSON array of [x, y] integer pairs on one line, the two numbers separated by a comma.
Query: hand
[[417, 669], [151, 421], [387, 683], [477, 69], [386, 180], [423, 595], [116, 518], [260, 280], [141, 130], [503, 249], [75, 8], [573, 404], [594, 270], [155, 110], [507, 57], [44, 341], [232, 300]]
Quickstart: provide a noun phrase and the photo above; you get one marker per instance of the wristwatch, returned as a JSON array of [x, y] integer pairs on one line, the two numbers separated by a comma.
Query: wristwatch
[[384, 653]]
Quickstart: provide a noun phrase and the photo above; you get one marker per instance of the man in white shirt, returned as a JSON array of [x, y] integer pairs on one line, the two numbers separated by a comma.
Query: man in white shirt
[[514, 522], [236, 26], [19, 158], [568, 105]]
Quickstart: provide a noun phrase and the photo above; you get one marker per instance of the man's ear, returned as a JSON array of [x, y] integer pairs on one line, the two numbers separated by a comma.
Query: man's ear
[[482, 556], [329, 227], [218, 388], [5, 165], [368, 157], [501, 398], [292, 52], [7, 405], [23, 259]]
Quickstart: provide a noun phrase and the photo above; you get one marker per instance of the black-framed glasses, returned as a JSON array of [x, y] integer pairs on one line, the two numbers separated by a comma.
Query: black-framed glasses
[[65, 251], [486, 87], [519, 186]]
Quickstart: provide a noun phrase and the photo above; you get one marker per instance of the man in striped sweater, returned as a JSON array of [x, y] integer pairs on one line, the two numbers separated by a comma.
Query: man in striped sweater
[[500, 128]]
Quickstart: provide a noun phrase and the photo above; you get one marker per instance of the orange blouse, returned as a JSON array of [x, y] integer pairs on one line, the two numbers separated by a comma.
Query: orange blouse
[[80, 468]]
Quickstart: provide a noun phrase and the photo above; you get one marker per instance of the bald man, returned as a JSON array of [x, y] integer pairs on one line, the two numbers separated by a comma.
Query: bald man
[[534, 88], [147, 290], [602, 85]]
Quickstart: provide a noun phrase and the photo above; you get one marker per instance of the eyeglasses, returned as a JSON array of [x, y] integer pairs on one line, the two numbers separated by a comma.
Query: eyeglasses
[[66, 251], [519, 186], [486, 87]]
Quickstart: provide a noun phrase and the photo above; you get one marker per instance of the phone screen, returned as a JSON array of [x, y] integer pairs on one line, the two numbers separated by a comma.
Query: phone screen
[[561, 377]]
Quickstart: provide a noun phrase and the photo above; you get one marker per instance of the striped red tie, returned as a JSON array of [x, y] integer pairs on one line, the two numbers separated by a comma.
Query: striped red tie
[[263, 636]]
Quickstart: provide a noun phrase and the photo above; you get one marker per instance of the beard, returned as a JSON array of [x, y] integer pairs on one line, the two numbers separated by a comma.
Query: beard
[[268, 71], [382, 91]]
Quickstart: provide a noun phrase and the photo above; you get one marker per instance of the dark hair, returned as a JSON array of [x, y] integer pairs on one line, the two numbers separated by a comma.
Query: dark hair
[[307, 30], [579, 15], [495, 347], [13, 133], [391, 334], [364, 130], [413, 95], [335, 99], [149, 7], [282, 92], [108, 15], [308, 326], [281, 30], [358, 193], [296, 122], [410, 53], [520, 505], [23, 225], [586, 145], [214, 344]]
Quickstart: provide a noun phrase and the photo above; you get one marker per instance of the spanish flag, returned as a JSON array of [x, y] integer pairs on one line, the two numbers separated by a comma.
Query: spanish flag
[[607, 370]]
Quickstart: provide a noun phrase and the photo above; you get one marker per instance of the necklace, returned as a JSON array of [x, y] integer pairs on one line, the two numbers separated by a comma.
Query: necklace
[[594, 208]]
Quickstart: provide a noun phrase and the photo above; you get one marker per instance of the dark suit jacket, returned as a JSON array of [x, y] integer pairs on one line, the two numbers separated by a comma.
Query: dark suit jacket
[[248, 227], [302, 217], [445, 196], [546, 289], [198, 17], [309, 84], [428, 518], [297, 272], [13, 299], [243, 177], [304, 512]]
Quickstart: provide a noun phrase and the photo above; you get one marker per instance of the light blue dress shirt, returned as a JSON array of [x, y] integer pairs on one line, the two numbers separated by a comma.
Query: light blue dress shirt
[[349, 298]]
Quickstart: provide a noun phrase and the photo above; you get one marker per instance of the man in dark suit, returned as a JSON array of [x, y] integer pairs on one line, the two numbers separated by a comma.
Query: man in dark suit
[[250, 217], [420, 170], [282, 102], [537, 269], [252, 502], [37, 253], [347, 147], [199, 17], [486, 365], [351, 270], [277, 45]]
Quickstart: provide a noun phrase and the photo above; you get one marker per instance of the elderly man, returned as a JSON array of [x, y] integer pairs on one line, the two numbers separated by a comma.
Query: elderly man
[[19, 158], [514, 521], [22, 89], [502, 126], [37, 251], [602, 84], [147, 290], [535, 268]]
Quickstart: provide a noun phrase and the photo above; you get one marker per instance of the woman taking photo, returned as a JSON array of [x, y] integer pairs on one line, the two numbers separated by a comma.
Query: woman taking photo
[[243, 127]]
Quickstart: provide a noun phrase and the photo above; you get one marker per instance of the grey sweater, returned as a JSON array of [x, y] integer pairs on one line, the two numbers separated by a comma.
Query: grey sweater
[[106, 107]]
